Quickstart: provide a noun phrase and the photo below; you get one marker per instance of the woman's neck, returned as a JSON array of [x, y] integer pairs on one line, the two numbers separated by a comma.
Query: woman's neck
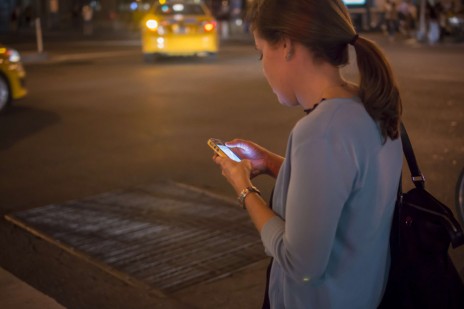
[[343, 89], [322, 81]]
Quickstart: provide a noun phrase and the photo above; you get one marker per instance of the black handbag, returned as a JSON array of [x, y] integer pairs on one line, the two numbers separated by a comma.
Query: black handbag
[[422, 274]]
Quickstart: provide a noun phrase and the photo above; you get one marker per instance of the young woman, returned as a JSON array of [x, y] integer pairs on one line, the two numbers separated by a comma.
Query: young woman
[[328, 229]]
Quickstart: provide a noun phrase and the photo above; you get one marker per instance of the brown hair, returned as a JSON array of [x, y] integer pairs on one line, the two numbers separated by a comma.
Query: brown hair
[[325, 27]]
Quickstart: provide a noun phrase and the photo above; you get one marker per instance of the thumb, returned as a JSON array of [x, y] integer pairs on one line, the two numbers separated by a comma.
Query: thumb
[[238, 143]]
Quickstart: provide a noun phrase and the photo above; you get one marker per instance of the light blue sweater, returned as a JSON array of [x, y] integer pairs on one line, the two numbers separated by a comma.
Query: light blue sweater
[[334, 196]]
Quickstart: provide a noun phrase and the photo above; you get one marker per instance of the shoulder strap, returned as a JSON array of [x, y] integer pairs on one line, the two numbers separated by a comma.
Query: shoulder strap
[[421, 198], [417, 177]]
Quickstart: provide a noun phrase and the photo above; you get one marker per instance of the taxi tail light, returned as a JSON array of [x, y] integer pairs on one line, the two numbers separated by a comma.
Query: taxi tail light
[[152, 24], [209, 26]]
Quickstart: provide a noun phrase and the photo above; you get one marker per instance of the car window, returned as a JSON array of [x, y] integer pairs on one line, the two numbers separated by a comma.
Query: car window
[[179, 8]]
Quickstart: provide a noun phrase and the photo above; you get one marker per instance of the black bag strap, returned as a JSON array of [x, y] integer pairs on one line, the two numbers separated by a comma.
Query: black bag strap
[[417, 177], [449, 222]]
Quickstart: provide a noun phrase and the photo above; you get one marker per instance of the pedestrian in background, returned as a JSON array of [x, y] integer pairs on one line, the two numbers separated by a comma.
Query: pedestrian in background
[[433, 16], [54, 10], [15, 18], [29, 16], [407, 14], [391, 18], [329, 226], [87, 15], [75, 16]]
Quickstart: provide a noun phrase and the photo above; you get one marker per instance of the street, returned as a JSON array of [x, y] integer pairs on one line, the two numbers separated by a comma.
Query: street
[[92, 125], [97, 119]]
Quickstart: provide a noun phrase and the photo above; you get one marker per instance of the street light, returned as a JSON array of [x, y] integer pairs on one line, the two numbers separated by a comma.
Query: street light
[[38, 26]]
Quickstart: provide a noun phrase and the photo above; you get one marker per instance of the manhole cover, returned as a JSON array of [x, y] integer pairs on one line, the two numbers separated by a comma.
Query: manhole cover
[[166, 235]]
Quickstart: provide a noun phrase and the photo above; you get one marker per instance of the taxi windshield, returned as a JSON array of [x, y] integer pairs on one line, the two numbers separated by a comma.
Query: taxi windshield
[[179, 8]]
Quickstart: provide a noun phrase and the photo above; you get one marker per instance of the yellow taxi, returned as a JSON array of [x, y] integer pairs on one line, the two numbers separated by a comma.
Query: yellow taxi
[[179, 28], [12, 77]]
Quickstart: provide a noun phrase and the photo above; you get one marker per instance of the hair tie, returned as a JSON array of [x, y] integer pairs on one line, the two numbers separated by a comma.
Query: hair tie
[[354, 39]]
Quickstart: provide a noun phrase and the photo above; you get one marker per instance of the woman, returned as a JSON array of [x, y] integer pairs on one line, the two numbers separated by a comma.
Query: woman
[[391, 17], [328, 229]]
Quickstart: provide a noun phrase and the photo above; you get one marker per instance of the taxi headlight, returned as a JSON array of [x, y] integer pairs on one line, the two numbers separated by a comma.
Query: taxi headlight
[[13, 55], [151, 24]]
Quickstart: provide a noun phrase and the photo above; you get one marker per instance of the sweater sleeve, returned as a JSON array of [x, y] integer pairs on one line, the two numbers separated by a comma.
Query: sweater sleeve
[[323, 171]]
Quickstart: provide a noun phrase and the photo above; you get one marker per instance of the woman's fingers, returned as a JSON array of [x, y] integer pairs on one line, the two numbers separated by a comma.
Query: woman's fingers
[[241, 145]]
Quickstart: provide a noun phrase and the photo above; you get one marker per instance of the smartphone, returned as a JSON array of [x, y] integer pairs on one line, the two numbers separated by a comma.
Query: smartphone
[[221, 149]]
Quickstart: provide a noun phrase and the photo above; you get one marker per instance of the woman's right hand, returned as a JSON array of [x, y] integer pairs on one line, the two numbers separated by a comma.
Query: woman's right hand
[[262, 160]]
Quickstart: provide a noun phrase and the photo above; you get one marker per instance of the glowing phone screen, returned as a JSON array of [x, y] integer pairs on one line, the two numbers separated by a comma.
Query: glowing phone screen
[[229, 153]]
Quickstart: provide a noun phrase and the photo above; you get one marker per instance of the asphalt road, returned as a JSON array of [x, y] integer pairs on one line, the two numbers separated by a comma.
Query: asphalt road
[[98, 119]]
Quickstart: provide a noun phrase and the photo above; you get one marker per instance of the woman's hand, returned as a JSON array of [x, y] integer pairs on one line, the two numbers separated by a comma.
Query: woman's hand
[[262, 160], [236, 173], [255, 160]]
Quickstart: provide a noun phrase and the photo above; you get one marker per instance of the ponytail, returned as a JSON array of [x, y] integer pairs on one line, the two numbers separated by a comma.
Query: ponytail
[[378, 89], [325, 28]]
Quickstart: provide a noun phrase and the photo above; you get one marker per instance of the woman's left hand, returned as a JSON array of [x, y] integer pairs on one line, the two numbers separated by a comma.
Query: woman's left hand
[[236, 173]]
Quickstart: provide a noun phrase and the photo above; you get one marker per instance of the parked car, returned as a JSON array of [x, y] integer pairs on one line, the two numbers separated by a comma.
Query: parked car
[[12, 77], [179, 28], [455, 25]]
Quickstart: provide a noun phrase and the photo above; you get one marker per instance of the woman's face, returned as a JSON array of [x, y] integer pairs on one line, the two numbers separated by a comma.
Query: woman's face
[[275, 69]]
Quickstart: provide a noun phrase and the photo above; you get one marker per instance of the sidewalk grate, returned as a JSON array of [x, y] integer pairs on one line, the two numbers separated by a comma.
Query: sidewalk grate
[[166, 235]]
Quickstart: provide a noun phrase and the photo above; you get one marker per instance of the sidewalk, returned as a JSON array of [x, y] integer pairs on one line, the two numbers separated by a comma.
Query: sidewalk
[[151, 251], [16, 294]]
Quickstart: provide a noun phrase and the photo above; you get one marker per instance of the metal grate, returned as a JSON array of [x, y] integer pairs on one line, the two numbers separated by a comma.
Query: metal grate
[[167, 235]]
